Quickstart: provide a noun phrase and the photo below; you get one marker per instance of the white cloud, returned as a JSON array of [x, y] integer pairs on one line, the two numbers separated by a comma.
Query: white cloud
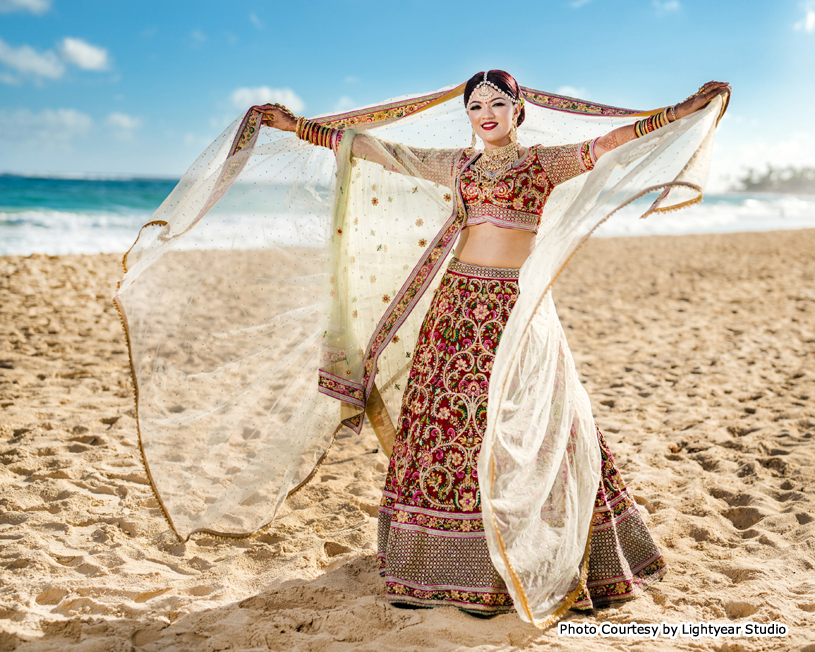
[[571, 91], [576, 4], [667, 6], [198, 36], [345, 103], [257, 22], [28, 62], [807, 23], [84, 55], [34, 6], [123, 121], [47, 125], [243, 98]]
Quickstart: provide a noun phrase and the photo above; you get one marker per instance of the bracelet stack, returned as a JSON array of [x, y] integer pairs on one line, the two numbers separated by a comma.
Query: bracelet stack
[[317, 134], [654, 122]]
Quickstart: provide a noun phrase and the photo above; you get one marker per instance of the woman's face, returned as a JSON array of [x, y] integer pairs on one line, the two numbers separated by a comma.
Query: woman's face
[[492, 117]]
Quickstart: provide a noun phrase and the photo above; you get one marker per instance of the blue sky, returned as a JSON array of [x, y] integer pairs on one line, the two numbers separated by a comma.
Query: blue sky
[[92, 86]]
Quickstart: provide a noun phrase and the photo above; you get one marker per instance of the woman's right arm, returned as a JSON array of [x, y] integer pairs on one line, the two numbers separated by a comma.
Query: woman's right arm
[[279, 117], [434, 165]]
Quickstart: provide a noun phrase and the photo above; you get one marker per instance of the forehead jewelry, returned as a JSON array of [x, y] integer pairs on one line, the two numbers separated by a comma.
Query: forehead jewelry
[[483, 90]]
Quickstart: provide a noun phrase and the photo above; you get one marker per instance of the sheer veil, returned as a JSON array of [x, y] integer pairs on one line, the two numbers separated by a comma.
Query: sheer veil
[[277, 293]]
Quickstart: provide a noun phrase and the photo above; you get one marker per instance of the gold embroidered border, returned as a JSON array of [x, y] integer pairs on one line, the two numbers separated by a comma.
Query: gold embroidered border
[[502, 216], [469, 269], [573, 105], [127, 253], [403, 108]]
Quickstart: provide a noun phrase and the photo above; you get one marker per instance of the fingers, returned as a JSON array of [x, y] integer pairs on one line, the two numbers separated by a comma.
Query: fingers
[[715, 86], [707, 92]]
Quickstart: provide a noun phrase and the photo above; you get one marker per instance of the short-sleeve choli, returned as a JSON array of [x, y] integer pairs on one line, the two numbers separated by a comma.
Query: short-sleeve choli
[[517, 198]]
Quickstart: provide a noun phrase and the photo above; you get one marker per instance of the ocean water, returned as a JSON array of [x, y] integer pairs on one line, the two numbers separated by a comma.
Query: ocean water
[[72, 216], [69, 216]]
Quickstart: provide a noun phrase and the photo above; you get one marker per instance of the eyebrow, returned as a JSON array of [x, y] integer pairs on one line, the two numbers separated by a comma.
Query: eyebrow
[[492, 99]]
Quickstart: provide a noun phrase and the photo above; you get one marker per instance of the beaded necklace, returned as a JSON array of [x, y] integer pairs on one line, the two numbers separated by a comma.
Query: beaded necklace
[[494, 164]]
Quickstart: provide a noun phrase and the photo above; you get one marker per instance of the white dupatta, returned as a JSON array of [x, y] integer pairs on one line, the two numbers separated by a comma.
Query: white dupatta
[[278, 292]]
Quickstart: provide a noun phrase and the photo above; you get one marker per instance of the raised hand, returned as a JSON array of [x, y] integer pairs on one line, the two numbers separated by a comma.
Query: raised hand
[[278, 116], [701, 98]]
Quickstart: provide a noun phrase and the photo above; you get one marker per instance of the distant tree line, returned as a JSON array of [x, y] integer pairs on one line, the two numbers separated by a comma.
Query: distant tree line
[[782, 180]]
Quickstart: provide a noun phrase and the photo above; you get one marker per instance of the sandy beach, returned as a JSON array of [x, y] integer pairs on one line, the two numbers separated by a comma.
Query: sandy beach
[[697, 353]]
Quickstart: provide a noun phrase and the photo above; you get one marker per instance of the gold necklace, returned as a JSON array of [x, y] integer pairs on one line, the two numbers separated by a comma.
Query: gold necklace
[[494, 164]]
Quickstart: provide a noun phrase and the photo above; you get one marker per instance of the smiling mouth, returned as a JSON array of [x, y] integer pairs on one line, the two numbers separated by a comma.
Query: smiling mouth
[[487, 126]]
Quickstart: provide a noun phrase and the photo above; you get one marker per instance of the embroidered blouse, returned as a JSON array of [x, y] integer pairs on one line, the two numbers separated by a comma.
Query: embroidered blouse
[[516, 200]]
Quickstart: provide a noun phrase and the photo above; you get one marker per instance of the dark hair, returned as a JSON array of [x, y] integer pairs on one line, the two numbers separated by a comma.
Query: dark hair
[[502, 80]]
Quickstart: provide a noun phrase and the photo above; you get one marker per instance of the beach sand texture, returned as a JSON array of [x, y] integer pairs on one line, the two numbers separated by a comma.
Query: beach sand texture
[[697, 353]]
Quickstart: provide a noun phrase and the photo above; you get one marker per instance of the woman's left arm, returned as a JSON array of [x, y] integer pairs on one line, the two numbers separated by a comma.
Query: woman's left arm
[[694, 103]]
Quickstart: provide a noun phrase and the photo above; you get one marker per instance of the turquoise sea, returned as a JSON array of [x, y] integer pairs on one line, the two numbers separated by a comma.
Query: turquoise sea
[[88, 215], [68, 216]]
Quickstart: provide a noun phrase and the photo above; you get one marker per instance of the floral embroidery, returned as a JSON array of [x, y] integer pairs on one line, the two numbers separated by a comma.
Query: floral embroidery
[[517, 199], [422, 242], [447, 196], [374, 201], [247, 131], [386, 298], [380, 113], [331, 355], [404, 108], [419, 222], [572, 105], [341, 389], [431, 497]]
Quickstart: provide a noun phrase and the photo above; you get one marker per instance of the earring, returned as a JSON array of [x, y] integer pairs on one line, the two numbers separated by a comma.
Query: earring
[[472, 142], [513, 133]]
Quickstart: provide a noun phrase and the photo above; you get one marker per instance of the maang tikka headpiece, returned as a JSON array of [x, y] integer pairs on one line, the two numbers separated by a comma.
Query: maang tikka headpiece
[[484, 86]]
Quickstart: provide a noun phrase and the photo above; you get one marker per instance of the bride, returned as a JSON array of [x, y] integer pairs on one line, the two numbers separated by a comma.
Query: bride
[[501, 492]]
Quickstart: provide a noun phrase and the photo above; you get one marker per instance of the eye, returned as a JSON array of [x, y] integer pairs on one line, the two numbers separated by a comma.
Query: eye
[[474, 107]]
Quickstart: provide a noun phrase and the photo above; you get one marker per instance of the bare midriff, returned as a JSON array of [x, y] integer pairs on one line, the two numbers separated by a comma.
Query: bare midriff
[[494, 246]]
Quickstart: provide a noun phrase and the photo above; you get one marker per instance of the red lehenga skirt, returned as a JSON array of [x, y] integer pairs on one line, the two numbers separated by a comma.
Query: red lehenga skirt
[[432, 547]]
